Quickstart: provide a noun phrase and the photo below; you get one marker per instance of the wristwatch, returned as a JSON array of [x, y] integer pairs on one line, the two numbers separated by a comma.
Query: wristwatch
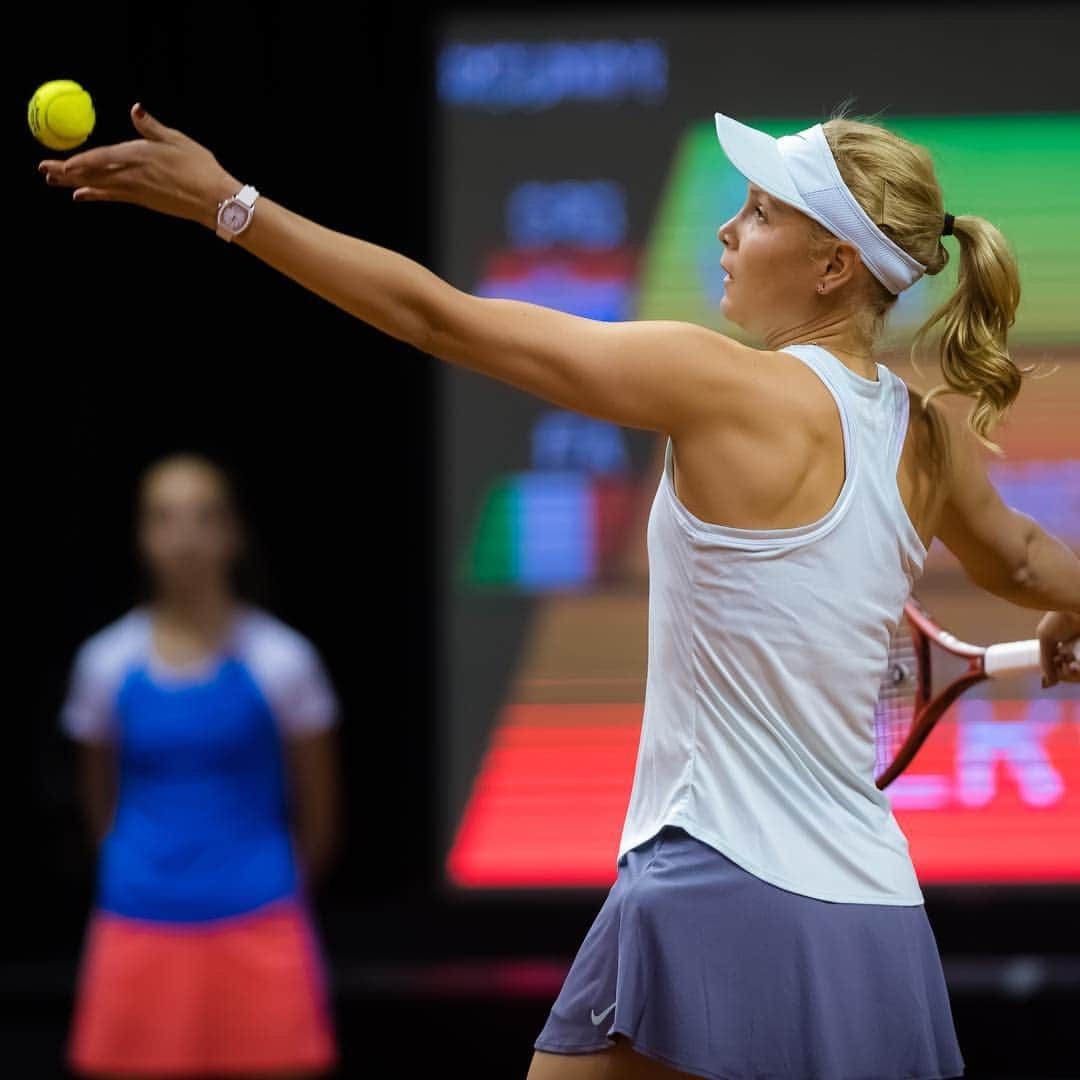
[[234, 214]]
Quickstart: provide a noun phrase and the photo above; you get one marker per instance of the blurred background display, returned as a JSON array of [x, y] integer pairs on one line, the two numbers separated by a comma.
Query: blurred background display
[[604, 200]]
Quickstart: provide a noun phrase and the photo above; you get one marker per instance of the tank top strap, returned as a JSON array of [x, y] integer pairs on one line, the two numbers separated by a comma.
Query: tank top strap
[[900, 413], [835, 376], [863, 396]]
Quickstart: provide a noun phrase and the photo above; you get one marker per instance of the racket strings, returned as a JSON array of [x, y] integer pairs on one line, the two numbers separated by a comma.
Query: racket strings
[[895, 707]]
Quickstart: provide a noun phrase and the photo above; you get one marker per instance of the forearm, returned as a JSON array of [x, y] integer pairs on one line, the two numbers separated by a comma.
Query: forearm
[[317, 827], [388, 290], [1049, 577], [97, 782], [317, 847], [315, 795]]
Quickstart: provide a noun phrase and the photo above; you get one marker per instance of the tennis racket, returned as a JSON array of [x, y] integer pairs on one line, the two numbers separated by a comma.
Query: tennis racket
[[908, 703]]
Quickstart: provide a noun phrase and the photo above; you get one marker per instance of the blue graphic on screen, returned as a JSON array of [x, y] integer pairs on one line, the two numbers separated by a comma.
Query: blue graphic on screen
[[582, 213], [539, 75], [569, 440], [556, 529], [1049, 491], [558, 524]]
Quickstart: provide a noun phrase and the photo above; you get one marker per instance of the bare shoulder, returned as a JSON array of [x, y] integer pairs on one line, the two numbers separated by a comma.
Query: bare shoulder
[[791, 394], [759, 383], [720, 381]]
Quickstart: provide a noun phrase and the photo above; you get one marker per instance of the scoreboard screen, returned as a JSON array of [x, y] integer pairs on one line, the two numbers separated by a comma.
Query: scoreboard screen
[[578, 168]]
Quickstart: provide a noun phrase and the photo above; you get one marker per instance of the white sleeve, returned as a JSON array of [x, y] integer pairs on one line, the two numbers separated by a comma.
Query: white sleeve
[[87, 711], [306, 700], [290, 672]]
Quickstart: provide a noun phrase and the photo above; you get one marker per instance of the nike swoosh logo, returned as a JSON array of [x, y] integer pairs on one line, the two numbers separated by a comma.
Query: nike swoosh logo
[[599, 1019]]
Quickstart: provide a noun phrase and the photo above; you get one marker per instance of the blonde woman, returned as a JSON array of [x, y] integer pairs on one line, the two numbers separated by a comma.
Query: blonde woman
[[766, 919]]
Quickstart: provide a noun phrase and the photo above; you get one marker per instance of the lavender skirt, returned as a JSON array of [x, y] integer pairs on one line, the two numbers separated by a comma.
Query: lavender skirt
[[708, 968]]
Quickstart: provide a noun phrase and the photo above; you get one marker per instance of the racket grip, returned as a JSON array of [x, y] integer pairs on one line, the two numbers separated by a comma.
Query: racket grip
[[1017, 657], [1012, 658]]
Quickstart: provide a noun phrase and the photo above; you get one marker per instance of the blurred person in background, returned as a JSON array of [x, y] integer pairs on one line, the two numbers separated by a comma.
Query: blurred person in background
[[208, 774]]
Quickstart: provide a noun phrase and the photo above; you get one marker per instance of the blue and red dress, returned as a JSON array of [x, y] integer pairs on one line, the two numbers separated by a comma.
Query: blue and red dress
[[200, 956]]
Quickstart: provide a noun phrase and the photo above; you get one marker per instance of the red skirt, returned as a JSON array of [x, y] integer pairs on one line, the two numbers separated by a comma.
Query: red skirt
[[239, 995]]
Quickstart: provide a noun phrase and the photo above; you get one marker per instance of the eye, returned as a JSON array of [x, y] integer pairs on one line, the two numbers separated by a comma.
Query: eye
[[758, 208]]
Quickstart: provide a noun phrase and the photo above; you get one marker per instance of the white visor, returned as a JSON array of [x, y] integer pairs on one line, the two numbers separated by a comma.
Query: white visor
[[800, 170]]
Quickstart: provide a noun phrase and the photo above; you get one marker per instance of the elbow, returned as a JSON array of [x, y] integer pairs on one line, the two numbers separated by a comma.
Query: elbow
[[442, 321], [1045, 573], [1024, 581], [1021, 573]]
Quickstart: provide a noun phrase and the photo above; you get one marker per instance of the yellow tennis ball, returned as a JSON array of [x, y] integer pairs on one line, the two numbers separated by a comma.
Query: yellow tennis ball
[[61, 114]]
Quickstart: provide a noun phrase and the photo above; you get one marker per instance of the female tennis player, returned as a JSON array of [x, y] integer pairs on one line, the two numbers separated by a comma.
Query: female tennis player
[[766, 919], [206, 733]]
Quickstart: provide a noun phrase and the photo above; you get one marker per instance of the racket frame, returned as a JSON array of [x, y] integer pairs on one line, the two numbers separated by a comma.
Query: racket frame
[[924, 632]]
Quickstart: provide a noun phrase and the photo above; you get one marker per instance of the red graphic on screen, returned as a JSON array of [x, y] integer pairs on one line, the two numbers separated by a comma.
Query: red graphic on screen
[[1000, 796]]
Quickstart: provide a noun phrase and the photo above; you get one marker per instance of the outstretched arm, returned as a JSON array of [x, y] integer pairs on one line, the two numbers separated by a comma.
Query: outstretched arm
[[655, 374]]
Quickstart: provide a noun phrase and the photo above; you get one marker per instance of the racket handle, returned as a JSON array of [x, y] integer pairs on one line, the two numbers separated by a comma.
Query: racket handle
[[1016, 657], [1012, 658]]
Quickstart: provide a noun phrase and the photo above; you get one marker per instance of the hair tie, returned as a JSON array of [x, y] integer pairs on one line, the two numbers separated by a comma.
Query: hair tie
[[947, 229]]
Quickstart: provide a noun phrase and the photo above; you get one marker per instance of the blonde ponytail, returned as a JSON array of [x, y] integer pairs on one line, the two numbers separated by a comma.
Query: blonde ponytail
[[894, 181], [975, 322]]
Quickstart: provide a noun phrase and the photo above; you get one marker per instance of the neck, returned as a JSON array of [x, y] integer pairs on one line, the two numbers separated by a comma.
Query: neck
[[205, 611], [858, 358], [838, 330]]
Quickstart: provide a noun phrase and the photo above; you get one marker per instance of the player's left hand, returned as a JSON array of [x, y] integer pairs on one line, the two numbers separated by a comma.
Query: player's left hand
[[1058, 633], [165, 170]]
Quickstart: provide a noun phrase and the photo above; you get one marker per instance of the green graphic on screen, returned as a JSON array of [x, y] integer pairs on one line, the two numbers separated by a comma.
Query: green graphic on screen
[[1019, 172]]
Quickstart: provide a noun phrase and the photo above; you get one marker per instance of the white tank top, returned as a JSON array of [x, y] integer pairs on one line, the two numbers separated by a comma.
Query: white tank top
[[766, 650]]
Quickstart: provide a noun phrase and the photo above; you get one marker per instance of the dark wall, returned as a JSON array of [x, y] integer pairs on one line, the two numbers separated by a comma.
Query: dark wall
[[141, 334]]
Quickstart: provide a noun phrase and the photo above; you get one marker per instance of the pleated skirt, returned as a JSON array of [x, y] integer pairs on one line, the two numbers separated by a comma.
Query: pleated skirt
[[716, 972], [241, 995]]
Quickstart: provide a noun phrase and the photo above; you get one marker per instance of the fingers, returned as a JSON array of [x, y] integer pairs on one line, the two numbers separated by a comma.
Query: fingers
[[1068, 659], [91, 165], [153, 129], [91, 194], [1047, 650], [1060, 661]]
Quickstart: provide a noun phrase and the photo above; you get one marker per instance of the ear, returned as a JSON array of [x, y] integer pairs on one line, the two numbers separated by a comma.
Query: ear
[[843, 264]]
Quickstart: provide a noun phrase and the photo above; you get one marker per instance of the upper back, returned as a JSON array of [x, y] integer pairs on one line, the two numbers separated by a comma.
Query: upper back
[[783, 462]]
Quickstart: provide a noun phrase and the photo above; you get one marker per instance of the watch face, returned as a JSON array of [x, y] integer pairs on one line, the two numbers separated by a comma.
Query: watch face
[[234, 215]]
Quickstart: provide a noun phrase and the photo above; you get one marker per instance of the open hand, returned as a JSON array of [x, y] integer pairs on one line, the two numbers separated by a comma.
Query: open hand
[[164, 170]]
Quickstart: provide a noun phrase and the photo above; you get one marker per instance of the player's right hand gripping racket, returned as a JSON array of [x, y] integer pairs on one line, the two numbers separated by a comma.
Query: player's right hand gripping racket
[[909, 705]]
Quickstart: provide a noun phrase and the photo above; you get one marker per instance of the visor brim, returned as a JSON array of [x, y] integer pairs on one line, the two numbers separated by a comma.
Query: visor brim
[[756, 156]]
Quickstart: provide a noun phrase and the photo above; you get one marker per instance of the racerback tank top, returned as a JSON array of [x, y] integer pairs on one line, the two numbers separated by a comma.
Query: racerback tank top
[[766, 648]]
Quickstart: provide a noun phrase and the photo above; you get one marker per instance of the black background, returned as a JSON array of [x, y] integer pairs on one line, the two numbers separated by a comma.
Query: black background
[[130, 335]]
